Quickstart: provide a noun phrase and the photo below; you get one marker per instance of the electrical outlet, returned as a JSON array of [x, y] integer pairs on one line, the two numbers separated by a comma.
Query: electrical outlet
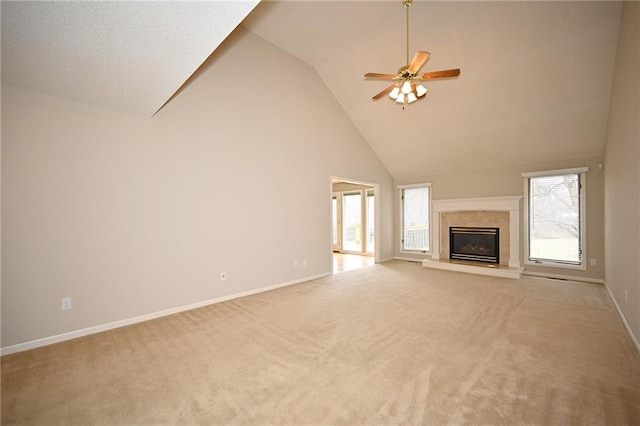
[[66, 303], [223, 276], [593, 262], [304, 262], [295, 263]]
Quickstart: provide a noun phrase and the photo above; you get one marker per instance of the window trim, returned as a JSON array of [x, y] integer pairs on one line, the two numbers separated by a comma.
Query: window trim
[[401, 188], [582, 171]]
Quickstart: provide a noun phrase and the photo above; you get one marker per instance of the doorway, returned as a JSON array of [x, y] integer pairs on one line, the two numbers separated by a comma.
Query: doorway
[[354, 224]]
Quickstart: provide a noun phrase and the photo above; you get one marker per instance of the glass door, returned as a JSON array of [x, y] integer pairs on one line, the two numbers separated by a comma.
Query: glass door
[[371, 228], [352, 221]]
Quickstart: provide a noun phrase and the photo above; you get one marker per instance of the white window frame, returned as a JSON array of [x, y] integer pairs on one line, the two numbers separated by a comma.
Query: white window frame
[[401, 188], [582, 171]]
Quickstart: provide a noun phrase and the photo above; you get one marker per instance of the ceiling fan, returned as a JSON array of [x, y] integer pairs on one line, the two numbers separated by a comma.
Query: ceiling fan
[[406, 87]]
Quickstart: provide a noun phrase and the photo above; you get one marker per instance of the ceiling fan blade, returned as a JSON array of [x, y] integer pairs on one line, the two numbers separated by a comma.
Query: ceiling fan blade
[[439, 74], [378, 75], [384, 92], [418, 61]]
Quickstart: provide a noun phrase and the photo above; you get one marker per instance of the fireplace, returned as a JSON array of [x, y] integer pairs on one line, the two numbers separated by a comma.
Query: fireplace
[[509, 259], [474, 244]]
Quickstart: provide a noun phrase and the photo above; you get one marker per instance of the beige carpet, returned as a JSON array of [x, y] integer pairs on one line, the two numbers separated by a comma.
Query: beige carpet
[[388, 344]]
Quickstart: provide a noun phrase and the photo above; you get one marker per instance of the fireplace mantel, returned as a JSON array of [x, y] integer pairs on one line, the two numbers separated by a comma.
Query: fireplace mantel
[[509, 204]]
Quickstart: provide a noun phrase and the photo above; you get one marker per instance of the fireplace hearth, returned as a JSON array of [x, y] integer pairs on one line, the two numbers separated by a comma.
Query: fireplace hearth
[[474, 244]]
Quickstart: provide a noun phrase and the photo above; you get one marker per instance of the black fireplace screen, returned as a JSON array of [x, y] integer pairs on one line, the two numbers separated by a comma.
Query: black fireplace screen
[[474, 244]]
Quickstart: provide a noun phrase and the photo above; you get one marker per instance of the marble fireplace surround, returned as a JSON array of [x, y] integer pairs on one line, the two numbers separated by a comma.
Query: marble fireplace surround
[[510, 267]]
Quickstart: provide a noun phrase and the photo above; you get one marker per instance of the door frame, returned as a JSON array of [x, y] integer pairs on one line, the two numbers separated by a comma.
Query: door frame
[[376, 194], [338, 197]]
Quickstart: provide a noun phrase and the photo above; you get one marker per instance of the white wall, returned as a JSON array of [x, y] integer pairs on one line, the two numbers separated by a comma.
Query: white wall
[[131, 216], [622, 173]]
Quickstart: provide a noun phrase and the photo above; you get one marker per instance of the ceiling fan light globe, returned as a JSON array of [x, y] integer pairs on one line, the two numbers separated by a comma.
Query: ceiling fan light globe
[[411, 97], [421, 90], [394, 93], [400, 98], [406, 87]]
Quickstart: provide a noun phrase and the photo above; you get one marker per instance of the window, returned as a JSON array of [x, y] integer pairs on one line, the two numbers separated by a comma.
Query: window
[[555, 218], [415, 207], [371, 229], [352, 221]]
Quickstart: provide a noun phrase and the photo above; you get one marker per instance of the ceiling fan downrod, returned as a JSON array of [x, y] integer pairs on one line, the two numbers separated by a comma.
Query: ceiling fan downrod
[[407, 4]]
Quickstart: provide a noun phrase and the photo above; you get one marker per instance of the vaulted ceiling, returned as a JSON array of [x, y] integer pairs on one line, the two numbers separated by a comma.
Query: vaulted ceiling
[[535, 82]]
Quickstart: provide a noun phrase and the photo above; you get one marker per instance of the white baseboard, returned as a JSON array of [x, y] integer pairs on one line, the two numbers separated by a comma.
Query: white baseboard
[[624, 320], [563, 277], [117, 324]]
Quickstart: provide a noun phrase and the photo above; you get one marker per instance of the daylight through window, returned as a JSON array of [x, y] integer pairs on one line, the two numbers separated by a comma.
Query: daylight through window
[[414, 203], [555, 217]]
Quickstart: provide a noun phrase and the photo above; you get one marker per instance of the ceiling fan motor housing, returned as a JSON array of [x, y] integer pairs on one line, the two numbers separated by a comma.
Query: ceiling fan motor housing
[[404, 72]]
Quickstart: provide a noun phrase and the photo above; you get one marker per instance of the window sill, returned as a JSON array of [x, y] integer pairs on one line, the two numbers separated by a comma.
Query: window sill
[[581, 267], [416, 252]]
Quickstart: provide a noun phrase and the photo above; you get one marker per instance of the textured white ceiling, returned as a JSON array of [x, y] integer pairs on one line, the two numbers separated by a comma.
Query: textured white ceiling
[[127, 55]]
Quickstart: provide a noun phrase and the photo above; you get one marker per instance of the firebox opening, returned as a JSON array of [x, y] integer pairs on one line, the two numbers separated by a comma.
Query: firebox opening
[[474, 244]]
